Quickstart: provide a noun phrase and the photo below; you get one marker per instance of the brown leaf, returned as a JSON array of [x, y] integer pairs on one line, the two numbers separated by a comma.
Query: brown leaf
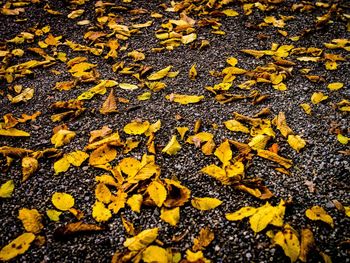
[[73, 229], [110, 104]]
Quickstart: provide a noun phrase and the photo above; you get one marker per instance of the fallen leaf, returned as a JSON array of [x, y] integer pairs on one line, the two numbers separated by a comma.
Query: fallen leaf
[[100, 213], [244, 212], [155, 254], [159, 74], [73, 229], [157, 192], [205, 203], [62, 201], [289, 242], [262, 217], [318, 213], [6, 189], [335, 85], [317, 97], [136, 127], [142, 240], [171, 216], [17, 246], [29, 167], [307, 243], [31, 220], [172, 147], [184, 99], [296, 142], [224, 153]]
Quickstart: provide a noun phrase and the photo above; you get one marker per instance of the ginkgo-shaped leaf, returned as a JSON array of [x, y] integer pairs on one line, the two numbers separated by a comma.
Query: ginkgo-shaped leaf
[[102, 193], [102, 155], [289, 242], [262, 217], [155, 254], [31, 220], [157, 192], [224, 153], [244, 212], [135, 202], [62, 137], [205, 203], [29, 167], [184, 99], [142, 240], [17, 246], [100, 213], [317, 97], [6, 189], [136, 127], [62, 201], [171, 216], [296, 142], [159, 74], [182, 131], [172, 147], [236, 126], [318, 213]]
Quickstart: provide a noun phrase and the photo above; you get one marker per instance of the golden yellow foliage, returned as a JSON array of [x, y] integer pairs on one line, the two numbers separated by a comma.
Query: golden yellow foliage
[[224, 153], [205, 203], [171, 216], [135, 202], [244, 212], [100, 213], [53, 215], [318, 213], [317, 97], [17, 246], [62, 137], [6, 189], [142, 240], [288, 240], [157, 192], [136, 127], [31, 220], [155, 254], [296, 142], [29, 167], [62, 201], [184, 99], [172, 147]]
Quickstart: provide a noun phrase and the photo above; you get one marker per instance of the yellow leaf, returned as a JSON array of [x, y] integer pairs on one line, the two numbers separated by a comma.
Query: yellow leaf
[[102, 193], [157, 192], [224, 153], [259, 141], [288, 240], [62, 137], [279, 214], [130, 166], [306, 107], [62, 201], [6, 189], [296, 142], [154, 254], [144, 96], [232, 61], [208, 147], [230, 12], [156, 85], [235, 170], [98, 89], [135, 202], [76, 158], [317, 97], [142, 240], [136, 127], [182, 131], [17, 247], [196, 257], [236, 126], [53, 215], [186, 39], [26, 95], [184, 99], [62, 165], [335, 85], [347, 211], [241, 213], [280, 86], [205, 203], [29, 167], [192, 74], [159, 74], [287, 163], [307, 243], [128, 86], [281, 123], [171, 216], [13, 132], [100, 213], [118, 201], [200, 137], [325, 257], [102, 155], [342, 139], [263, 216], [206, 236], [31, 220], [172, 147], [217, 173], [318, 213]]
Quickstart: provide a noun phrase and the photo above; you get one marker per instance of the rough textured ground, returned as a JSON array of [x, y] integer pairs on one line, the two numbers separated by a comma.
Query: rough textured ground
[[319, 162]]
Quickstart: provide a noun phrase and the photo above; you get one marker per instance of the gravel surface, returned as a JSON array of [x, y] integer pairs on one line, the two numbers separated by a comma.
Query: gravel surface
[[320, 162]]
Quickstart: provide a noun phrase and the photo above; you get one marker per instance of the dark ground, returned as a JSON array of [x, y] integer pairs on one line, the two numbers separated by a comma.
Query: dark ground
[[319, 162]]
